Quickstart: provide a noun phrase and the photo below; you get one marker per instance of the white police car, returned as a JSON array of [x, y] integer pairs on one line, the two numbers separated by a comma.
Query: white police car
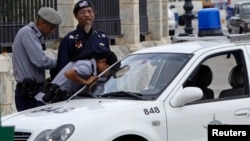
[[171, 92], [164, 93]]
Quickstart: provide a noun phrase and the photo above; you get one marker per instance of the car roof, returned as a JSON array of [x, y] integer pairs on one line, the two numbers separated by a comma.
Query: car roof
[[242, 2], [183, 47], [192, 44]]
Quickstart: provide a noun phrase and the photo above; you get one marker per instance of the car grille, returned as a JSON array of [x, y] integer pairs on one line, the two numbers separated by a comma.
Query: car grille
[[21, 136]]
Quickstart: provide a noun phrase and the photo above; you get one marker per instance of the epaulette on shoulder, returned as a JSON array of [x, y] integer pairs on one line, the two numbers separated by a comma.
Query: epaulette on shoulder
[[101, 33], [72, 34]]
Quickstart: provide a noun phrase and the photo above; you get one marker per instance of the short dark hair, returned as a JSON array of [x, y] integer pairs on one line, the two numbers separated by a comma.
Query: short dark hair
[[109, 55]]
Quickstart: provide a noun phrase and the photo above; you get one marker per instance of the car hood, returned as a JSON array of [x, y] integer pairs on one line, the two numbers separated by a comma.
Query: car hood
[[246, 19], [242, 18], [68, 112]]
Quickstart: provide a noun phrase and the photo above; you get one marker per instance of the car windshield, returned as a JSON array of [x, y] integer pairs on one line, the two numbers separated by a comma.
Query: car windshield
[[138, 76], [246, 9]]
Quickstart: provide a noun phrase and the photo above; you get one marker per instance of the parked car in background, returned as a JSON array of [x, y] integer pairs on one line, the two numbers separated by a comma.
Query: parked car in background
[[229, 14], [171, 23], [240, 21]]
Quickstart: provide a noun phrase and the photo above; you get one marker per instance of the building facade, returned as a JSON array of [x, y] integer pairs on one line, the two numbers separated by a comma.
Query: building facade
[[133, 36]]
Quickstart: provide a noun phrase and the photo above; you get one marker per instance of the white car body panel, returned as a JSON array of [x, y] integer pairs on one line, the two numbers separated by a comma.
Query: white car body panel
[[108, 118], [94, 113]]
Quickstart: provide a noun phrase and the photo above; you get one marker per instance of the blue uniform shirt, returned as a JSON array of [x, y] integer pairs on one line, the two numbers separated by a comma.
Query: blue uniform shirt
[[79, 43], [84, 68], [29, 60]]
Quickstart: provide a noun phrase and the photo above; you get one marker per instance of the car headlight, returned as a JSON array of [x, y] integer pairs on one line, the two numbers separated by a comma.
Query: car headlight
[[248, 25], [61, 133]]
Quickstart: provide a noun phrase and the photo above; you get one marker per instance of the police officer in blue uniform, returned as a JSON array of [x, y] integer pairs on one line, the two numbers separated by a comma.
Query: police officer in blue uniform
[[84, 42], [74, 75], [29, 60]]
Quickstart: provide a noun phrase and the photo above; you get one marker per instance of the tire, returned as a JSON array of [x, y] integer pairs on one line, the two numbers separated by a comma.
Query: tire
[[240, 30], [181, 20], [130, 138], [171, 32]]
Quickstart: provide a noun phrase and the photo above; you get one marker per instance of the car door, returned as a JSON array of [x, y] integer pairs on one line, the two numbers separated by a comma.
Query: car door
[[190, 122]]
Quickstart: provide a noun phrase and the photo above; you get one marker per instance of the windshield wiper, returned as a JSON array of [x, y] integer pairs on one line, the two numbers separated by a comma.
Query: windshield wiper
[[122, 94]]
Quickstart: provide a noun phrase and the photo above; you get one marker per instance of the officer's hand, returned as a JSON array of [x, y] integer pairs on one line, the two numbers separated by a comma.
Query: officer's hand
[[91, 79], [48, 80]]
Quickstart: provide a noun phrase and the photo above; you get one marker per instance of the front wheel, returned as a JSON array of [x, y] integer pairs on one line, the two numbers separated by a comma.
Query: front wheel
[[241, 30], [171, 32], [130, 138]]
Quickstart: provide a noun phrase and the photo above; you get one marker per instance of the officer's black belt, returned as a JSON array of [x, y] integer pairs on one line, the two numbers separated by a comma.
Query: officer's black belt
[[29, 87]]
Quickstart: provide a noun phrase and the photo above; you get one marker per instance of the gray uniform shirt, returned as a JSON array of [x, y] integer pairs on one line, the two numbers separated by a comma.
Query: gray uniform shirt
[[29, 60], [84, 68]]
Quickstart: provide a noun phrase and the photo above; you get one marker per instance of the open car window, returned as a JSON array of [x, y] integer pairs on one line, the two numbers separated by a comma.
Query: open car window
[[221, 76], [139, 76]]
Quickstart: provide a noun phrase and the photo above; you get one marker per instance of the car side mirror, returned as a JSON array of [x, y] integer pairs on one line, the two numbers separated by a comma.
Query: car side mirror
[[186, 95]]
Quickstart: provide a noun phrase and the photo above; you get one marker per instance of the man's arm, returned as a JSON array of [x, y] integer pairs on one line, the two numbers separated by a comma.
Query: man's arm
[[72, 75], [34, 51]]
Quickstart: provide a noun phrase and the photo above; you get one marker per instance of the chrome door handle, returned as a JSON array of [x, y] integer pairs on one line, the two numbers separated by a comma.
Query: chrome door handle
[[242, 113]]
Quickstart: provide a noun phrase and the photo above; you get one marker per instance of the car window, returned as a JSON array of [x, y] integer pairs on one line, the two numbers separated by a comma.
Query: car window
[[236, 10], [146, 75], [245, 10], [246, 6], [221, 77]]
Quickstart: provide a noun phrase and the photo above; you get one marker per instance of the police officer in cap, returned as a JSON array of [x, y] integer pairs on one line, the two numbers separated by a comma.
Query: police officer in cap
[[29, 60], [84, 42]]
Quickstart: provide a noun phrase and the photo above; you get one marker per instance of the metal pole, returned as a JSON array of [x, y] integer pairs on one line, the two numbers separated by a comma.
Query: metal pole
[[188, 16]]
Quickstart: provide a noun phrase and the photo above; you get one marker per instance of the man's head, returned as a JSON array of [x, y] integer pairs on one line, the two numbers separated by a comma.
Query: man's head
[[104, 60], [48, 19], [85, 14]]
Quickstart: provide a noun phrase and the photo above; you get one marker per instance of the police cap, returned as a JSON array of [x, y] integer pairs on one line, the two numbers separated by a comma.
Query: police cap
[[82, 4], [50, 15]]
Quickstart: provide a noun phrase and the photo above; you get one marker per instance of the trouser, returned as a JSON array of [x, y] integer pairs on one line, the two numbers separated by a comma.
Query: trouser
[[60, 95], [53, 93], [49, 90], [24, 103], [24, 94]]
